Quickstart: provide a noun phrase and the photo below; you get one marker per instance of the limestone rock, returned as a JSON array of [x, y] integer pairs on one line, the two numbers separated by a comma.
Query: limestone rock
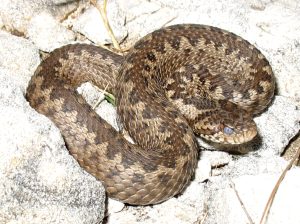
[[18, 58], [47, 33], [40, 181], [16, 14], [91, 25], [254, 191]]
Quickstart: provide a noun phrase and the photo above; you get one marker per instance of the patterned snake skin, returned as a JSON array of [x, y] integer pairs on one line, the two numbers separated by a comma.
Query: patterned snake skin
[[173, 82]]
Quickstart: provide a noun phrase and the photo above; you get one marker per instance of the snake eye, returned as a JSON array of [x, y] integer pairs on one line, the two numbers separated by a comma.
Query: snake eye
[[228, 131]]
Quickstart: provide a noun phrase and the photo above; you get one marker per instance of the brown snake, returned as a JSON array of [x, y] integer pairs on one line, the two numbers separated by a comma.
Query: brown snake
[[174, 81]]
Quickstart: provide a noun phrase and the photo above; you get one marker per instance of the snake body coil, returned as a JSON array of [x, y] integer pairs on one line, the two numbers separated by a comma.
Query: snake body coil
[[173, 82]]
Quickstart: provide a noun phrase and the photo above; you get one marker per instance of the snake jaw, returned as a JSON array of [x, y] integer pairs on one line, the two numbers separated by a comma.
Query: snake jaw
[[245, 132], [233, 138], [245, 136]]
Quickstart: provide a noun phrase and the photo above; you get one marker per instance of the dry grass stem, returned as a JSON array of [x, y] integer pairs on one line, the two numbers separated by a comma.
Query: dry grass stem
[[202, 219], [103, 13], [242, 204], [108, 96], [275, 189]]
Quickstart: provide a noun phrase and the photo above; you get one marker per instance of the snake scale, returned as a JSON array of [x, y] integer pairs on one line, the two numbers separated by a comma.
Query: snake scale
[[174, 82]]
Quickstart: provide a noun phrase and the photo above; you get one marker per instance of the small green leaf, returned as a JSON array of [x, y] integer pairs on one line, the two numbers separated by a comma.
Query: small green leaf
[[110, 98]]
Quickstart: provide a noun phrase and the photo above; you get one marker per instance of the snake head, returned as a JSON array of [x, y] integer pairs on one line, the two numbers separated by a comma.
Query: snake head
[[229, 124]]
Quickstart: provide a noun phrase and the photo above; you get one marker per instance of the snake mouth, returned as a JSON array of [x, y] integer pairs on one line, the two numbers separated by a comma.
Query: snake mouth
[[249, 135], [245, 137]]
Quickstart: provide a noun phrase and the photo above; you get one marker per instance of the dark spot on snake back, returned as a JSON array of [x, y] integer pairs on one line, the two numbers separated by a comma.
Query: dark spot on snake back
[[175, 42], [190, 69], [111, 174], [134, 97], [126, 75], [111, 152], [212, 88], [164, 177], [80, 118], [164, 103], [218, 45], [132, 57], [145, 81], [160, 48], [138, 177], [157, 34], [94, 157], [192, 40], [40, 100], [187, 52], [113, 149], [127, 161], [169, 141], [151, 57], [186, 165], [147, 68], [170, 163], [162, 128], [203, 72], [141, 44], [148, 114], [228, 51], [31, 87], [266, 77], [97, 140], [184, 127], [246, 95], [260, 89], [185, 149]]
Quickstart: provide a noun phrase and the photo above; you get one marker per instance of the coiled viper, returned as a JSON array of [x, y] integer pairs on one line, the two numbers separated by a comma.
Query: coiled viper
[[174, 81]]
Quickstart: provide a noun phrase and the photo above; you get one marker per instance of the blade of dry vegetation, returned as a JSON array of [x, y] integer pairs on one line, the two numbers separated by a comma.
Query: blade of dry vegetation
[[264, 217], [103, 12]]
